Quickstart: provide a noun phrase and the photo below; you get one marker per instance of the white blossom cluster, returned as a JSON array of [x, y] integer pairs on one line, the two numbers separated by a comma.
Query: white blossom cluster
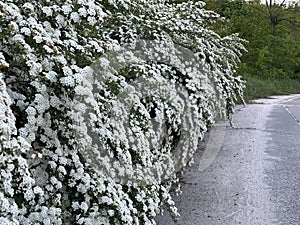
[[19, 191], [91, 133]]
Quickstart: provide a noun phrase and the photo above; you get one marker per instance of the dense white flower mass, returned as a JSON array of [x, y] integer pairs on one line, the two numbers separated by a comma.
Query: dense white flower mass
[[102, 102]]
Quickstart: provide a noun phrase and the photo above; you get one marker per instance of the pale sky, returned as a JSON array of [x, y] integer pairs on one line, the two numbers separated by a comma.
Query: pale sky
[[279, 1]]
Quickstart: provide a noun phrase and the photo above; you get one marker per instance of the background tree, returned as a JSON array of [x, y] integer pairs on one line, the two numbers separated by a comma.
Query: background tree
[[272, 32]]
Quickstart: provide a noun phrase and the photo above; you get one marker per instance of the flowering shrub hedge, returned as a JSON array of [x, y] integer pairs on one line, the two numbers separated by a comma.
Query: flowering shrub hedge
[[84, 141]]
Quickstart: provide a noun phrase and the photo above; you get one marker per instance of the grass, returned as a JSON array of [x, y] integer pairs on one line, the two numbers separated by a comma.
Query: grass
[[257, 87]]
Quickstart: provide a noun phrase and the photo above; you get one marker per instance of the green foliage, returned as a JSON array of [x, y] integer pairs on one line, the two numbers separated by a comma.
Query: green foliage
[[260, 87], [272, 32]]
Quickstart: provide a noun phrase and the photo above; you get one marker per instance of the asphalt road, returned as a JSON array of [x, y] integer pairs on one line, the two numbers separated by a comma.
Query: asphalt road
[[255, 176]]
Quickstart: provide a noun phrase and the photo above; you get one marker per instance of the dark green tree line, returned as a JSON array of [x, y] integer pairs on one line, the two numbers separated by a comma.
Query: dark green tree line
[[272, 31]]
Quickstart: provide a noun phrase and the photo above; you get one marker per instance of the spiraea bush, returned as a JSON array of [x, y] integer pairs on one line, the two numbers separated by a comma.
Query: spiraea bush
[[102, 102]]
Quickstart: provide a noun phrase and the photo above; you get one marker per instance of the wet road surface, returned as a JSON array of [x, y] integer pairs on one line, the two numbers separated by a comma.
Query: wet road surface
[[255, 176]]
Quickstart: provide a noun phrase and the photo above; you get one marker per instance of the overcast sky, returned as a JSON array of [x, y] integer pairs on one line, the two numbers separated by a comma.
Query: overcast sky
[[280, 1]]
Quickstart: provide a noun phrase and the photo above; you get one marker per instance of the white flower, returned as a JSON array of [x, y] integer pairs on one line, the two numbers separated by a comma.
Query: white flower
[[106, 200], [26, 31], [91, 11], [75, 17], [52, 164], [84, 206], [47, 221], [104, 62], [48, 27], [66, 9], [67, 81], [47, 49], [54, 101], [55, 182], [5, 221], [75, 205], [60, 19], [18, 38], [61, 59], [10, 167], [29, 195], [29, 6], [62, 170], [67, 71], [111, 212], [30, 111], [80, 90], [96, 46], [92, 20], [23, 132], [82, 11], [35, 68], [39, 99], [63, 160], [87, 71], [51, 75], [3, 63], [14, 26], [31, 21], [4, 203], [31, 120], [47, 64], [38, 190], [47, 10], [31, 137]]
